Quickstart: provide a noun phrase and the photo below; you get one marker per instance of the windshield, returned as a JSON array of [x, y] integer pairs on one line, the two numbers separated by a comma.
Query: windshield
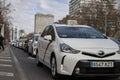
[[79, 32], [36, 38]]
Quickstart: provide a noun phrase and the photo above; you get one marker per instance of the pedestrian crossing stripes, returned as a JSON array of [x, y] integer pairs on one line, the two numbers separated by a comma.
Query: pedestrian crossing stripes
[[5, 57], [5, 65], [6, 74], [6, 60]]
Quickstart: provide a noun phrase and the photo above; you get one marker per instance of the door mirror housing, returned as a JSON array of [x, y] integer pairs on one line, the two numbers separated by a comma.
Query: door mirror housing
[[48, 37]]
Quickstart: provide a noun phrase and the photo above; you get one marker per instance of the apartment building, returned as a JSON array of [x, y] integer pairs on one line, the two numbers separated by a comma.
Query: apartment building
[[76, 6]]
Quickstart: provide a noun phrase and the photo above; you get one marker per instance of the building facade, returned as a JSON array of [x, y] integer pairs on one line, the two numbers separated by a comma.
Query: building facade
[[76, 6], [15, 33], [41, 21], [101, 14]]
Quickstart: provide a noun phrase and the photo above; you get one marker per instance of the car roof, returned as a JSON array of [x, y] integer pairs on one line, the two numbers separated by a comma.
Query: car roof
[[63, 25]]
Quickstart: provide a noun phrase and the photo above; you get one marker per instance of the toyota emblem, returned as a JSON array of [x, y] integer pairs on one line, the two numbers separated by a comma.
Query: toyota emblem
[[101, 53]]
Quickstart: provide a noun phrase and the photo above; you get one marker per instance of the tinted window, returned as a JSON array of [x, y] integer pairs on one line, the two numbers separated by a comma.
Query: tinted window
[[45, 32], [36, 38], [78, 32], [52, 33]]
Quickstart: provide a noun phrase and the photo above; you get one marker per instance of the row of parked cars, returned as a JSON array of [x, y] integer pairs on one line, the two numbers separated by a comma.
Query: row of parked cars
[[29, 45], [77, 50]]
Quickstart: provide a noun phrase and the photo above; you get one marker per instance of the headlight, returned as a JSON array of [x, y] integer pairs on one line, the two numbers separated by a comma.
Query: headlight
[[66, 48]]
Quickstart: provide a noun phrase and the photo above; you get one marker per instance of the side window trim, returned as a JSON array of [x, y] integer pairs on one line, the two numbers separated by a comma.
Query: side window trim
[[45, 31], [49, 30]]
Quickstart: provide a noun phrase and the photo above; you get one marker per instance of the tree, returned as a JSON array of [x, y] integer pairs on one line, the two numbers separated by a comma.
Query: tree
[[4, 19], [101, 14]]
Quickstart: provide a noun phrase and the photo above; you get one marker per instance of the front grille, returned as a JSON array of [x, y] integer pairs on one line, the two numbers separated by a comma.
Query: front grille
[[94, 55]]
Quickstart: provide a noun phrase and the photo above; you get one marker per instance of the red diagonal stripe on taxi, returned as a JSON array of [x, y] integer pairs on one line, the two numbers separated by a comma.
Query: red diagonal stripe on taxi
[[46, 50]]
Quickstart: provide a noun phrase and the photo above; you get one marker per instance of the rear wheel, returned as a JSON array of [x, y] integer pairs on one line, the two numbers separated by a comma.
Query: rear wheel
[[32, 52], [54, 67]]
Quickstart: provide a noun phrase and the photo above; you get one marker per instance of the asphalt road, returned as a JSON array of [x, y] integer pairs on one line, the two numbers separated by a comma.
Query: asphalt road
[[29, 70]]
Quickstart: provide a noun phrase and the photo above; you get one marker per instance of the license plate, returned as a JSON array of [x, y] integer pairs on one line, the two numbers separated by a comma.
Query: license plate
[[104, 64]]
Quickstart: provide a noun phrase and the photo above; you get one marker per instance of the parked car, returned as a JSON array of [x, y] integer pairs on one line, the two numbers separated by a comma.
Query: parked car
[[20, 43], [78, 50], [26, 45], [13, 43], [32, 44], [35, 42]]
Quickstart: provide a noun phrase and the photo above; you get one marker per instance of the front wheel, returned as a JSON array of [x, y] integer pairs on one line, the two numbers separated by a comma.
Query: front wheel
[[54, 67]]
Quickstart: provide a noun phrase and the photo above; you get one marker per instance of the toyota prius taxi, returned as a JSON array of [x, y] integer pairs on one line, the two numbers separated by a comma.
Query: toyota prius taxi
[[78, 50]]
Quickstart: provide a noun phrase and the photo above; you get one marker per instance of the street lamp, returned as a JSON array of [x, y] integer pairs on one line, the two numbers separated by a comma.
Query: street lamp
[[106, 13], [105, 24]]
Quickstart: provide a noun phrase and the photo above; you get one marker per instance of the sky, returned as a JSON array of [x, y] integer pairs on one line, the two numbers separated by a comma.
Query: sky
[[23, 11]]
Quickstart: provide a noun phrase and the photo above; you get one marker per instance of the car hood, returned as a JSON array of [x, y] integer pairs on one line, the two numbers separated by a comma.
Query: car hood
[[92, 45]]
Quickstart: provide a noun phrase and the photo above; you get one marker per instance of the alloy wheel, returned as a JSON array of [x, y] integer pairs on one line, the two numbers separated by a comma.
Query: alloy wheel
[[53, 67]]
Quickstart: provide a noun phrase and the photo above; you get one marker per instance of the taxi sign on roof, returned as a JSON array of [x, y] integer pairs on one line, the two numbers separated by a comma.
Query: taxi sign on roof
[[72, 22]]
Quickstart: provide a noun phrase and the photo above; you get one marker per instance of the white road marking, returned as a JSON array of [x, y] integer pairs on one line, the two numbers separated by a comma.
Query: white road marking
[[5, 65], [5, 60], [5, 57], [6, 74]]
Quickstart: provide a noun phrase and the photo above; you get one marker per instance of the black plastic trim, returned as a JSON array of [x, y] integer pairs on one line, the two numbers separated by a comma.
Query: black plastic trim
[[93, 55]]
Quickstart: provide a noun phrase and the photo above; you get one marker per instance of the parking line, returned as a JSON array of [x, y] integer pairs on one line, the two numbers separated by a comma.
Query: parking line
[[6, 74], [5, 60], [5, 65]]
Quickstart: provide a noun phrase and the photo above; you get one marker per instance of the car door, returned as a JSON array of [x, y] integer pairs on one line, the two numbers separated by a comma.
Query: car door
[[49, 45], [43, 43]]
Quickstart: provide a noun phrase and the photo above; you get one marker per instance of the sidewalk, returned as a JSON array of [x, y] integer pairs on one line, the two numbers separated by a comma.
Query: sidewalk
[[8, 69], [5, 52]]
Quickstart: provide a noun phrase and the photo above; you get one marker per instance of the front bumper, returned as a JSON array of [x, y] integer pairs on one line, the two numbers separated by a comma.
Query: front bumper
[[83, 68]]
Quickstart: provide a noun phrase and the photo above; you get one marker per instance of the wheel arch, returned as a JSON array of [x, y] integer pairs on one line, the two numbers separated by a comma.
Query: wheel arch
[[52, 55]]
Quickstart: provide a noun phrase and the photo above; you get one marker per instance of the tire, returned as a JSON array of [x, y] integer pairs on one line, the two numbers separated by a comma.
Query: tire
[[27, 48], [32, 52], [38, 63], [54, 68]]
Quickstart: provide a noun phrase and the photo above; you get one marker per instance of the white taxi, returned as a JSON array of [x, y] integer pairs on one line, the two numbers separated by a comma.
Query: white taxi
[[78, 50]]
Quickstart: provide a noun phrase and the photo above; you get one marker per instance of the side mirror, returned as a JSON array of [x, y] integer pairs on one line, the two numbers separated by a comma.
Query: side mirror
[[48, 37]]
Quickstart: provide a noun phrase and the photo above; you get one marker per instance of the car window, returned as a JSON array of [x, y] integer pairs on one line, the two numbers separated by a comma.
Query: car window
[[36, 38], [52, 33], [45, 32], [79, 32], [49, 31]]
